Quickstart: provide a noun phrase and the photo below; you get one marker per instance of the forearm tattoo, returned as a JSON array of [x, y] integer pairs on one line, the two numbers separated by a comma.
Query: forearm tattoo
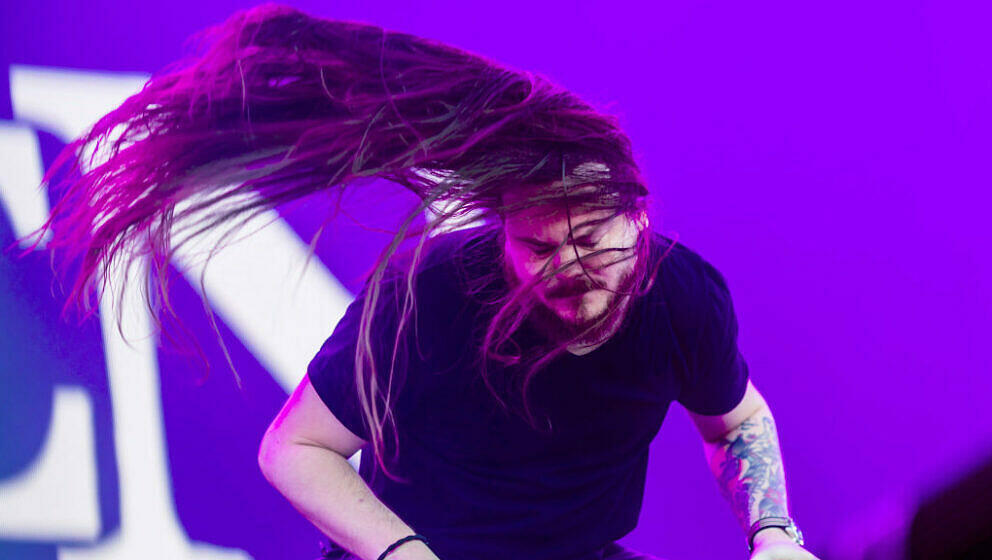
[[748, 467]]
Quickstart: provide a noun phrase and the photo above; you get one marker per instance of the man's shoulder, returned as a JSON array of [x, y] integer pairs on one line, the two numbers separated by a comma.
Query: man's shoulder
[[447, 249], [671, 262], [666, 247], [460, 244], [463, 253], [450, 265], [683, 275], [677, 258]]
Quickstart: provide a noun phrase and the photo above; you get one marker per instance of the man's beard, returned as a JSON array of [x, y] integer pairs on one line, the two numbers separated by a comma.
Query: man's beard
[[560, 330]]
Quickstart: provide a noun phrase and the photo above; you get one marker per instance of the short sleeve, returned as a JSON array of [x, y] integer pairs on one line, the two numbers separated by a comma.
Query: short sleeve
[[332, 369], [716, 373]]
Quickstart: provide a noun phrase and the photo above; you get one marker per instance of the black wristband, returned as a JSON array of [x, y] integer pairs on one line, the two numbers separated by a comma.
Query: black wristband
[[393, 546]]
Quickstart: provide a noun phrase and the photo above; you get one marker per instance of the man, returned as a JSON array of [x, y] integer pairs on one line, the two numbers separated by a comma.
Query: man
[[507, 379], [481, 484]]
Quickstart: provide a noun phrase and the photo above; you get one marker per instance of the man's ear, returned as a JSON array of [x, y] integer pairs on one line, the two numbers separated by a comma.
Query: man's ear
[[642, 221]]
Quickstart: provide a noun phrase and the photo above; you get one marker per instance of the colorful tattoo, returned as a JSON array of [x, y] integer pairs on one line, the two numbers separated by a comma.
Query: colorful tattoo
[[752, 450]]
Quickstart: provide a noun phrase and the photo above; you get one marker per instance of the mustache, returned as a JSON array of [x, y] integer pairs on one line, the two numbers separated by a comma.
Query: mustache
[[572, 287]]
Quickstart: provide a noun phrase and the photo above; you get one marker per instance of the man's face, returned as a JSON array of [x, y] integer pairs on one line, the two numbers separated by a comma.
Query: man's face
[[571, 296]]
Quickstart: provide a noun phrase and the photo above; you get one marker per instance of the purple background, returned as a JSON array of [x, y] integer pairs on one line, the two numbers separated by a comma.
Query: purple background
[[832, 161]]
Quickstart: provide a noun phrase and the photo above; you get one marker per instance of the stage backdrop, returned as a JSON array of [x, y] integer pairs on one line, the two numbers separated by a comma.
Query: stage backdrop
[[832, 161]]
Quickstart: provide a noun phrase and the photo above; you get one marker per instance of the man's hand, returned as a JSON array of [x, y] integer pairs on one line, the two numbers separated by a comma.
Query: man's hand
[[774, 544]]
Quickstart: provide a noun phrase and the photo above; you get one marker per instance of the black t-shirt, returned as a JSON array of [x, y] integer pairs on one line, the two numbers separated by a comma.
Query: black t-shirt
[[482, 483]]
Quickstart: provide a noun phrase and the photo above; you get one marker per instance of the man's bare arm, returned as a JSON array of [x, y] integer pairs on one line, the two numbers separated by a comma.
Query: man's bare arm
[[743, 452], [304, 456], [747, 464]]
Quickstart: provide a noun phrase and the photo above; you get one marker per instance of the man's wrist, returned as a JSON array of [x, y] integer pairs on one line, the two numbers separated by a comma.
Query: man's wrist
[[771, 534], [785, 524], [412, 550]]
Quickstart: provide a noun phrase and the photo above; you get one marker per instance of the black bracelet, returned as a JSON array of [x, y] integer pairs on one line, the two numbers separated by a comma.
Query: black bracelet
[[393, 546]]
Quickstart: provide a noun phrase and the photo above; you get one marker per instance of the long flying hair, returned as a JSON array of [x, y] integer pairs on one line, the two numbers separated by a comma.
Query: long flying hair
[[274, 105]]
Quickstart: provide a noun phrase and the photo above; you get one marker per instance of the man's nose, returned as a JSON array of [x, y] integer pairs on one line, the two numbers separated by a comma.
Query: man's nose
[[567, 255]]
